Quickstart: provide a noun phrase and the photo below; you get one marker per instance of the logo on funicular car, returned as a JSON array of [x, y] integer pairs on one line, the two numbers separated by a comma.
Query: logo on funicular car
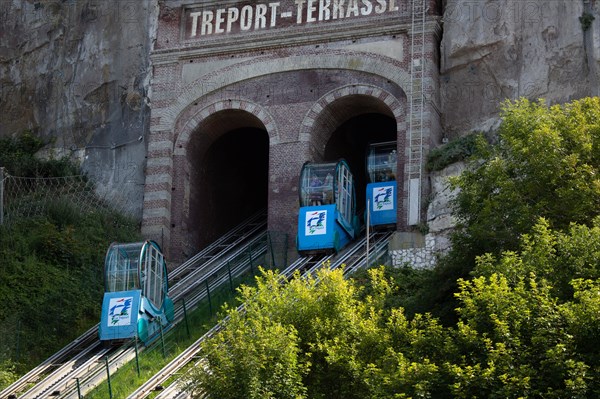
[[316, 223], [383, 198], [119, 311]]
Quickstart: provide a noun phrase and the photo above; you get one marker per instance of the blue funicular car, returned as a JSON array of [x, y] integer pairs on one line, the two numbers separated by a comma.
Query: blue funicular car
[[382, 188], [327, 219]]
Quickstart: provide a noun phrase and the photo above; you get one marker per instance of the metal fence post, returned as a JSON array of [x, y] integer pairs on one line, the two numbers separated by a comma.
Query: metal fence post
[[251, 260], [185, 317], [208, 296], [162, 342], [78, 389], [137, 359], [230, 279], [1, 195], [108, 377], [271, 249]]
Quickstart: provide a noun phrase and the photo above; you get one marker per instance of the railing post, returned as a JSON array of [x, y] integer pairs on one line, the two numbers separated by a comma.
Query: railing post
[[230, 279], [185, 317], [251, 260], [271, 250], [110, 395], [78, 388], [208, 296], [1, 195], [162, 341], [137, 360]]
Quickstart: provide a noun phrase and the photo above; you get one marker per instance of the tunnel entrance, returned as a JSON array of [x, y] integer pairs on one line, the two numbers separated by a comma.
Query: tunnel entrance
[[229, 181], [350, 141]]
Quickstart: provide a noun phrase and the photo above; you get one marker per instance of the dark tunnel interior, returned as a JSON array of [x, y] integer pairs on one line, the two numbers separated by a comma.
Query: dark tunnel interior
[[350, 141], [235, 180]]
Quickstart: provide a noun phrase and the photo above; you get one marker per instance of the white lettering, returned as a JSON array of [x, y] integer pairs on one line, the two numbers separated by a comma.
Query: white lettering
[[246, 17], [273, 13], [255, 16], [219, 19], [300, 4], [352, 8], [261, 17], [233, 14], [310, 9], [195, 16], [338, 9], [368, 7], [324, 13], [207, 18]]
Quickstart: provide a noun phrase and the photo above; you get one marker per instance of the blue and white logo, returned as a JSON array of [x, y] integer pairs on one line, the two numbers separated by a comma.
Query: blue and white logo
[[119, 311], [316, 223], [383, 198]]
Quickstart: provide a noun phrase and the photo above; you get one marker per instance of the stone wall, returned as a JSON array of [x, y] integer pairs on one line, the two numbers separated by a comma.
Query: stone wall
[[421, 249], [84, 74], [504, 49]]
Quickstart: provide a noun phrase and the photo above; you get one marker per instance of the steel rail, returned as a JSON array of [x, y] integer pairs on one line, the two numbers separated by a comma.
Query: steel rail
[[33, 376], [185, 357], [239, 234], [51, 381], [54, 365], [94, 377]]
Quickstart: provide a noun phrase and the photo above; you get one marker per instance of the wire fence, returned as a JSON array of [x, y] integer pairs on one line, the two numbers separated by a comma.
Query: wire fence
[[24, 197]]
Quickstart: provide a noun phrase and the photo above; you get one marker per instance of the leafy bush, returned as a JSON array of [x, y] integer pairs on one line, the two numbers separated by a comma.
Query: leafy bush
[[545, 164]]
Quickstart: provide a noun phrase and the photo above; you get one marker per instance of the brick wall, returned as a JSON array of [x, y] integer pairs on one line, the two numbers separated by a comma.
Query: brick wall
[[297, 87]]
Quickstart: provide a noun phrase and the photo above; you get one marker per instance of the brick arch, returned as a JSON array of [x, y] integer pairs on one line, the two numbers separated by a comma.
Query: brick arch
[[385, 67], [322, 117], [191, 125], [330, 111]]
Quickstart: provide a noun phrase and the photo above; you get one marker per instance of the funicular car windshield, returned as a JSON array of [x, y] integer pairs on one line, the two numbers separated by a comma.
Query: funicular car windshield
[[155, 284], [122, 267], [327, 184], [381, 162], [136, 266], [317, 184]]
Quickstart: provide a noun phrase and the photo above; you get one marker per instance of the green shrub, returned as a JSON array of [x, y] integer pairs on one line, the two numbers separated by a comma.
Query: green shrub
[[17, 155], [52, 260], [457, 150]]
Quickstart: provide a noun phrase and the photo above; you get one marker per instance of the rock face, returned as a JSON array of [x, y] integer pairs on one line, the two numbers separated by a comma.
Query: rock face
[[76, 73], [494, 50]]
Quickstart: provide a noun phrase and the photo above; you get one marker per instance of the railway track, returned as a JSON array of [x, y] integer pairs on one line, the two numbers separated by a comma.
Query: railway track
[[353, 258], [82, 364]]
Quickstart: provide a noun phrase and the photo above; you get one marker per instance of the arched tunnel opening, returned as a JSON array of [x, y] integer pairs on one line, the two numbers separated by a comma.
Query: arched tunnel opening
[[230, 179], [351, 140]]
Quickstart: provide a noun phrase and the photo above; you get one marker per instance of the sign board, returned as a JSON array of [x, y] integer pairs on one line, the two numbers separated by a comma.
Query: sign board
[[316, 223], [217, 19]]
